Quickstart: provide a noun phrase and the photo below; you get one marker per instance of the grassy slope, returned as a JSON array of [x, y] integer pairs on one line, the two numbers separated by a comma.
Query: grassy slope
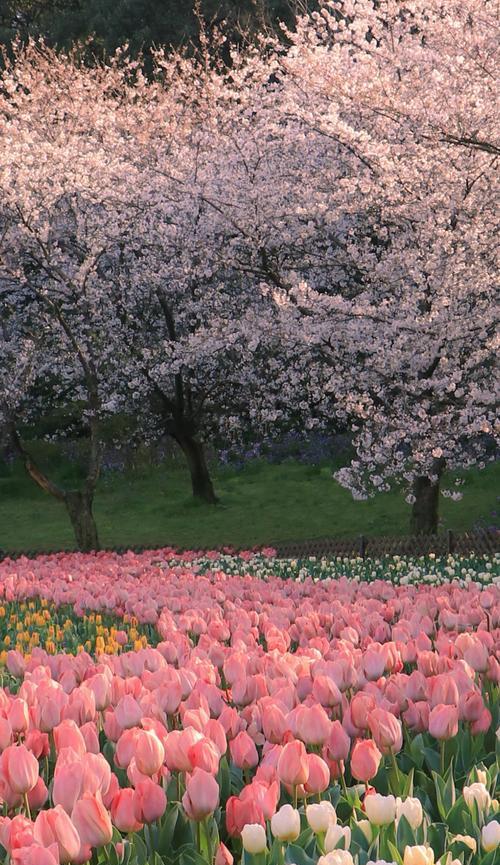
[[260, 504]]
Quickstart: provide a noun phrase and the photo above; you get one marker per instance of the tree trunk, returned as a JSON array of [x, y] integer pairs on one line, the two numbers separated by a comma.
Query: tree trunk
[[79, 507], [201, 481], [425, 511]]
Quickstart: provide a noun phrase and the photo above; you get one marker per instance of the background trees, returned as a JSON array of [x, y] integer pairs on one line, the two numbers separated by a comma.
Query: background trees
[[299, 238]]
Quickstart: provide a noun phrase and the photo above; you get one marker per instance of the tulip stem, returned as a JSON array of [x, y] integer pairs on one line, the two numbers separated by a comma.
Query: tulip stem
[[295, 796], [396, 770], [27, 806], [442, 745], [344, 786]]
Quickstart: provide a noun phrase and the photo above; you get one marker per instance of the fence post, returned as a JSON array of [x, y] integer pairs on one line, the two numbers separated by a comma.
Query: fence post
[[362, 546], [450, 541]]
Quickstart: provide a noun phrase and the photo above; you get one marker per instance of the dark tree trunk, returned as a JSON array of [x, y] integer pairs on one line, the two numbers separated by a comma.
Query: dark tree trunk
[[79, 507], [425, 511], [201, 481]]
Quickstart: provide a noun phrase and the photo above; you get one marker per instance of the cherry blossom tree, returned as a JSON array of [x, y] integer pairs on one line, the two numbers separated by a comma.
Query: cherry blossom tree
[[404, 96]]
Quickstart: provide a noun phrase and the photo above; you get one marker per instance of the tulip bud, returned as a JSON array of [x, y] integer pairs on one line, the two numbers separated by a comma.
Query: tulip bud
[[490, 836], [335, 835], [92, 820], [293, 766], [320, 816], [202, 795], [149, 752], [223, 856], [411, 809], [443, 722], [253, 837], [479, 794], [418, 855], [285, 824], [380, 810], [123, 813], [365, 760], [366, 828]]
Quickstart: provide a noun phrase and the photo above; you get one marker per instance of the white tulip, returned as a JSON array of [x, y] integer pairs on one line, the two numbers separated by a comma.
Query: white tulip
[[285, 824], [253, 837], [411, 808], [320, 816], [366, 828], [482, 776], [418, 855], [380, 810], [335, 834], [477, 793], [490, 836]]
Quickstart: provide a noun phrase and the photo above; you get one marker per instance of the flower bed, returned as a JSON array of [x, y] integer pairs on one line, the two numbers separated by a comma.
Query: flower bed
[[200, 708]]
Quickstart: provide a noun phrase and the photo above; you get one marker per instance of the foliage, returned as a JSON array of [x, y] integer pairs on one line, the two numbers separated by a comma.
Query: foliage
[[150, 504]]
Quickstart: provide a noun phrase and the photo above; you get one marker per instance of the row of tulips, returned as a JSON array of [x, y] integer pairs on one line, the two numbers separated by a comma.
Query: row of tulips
[[227, 717]]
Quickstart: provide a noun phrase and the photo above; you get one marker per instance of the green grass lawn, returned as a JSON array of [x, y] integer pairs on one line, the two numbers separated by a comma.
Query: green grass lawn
[[258, 505]]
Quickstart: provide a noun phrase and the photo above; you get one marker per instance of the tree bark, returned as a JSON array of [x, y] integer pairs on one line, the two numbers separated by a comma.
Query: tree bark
[[78, 504], [79, 507], [425, 511], [201, 481]]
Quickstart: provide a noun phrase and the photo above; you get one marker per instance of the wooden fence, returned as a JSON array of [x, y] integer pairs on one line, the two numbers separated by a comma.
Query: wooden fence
[[485, 542], [480, 542]]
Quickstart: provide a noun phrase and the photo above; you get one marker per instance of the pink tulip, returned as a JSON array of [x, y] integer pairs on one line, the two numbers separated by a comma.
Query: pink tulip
[[19, 716], [386, 731], [20, 768], [362, 705], [38, 796], [92, 820], [443, 722], [243, 751], [204, 754], [128, 713], [36, 854], [68, 735], [338, 744], [15, 664], [319, 775], [55, 827], [365, 760], [150, 801], [313, 725], [240, 812], [5, 734], [123, 812], [149, 752], [293, 766], [202, 795], [223, 856]]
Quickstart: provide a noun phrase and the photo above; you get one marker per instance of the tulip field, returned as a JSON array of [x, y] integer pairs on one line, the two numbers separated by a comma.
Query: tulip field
[[209, 708]]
